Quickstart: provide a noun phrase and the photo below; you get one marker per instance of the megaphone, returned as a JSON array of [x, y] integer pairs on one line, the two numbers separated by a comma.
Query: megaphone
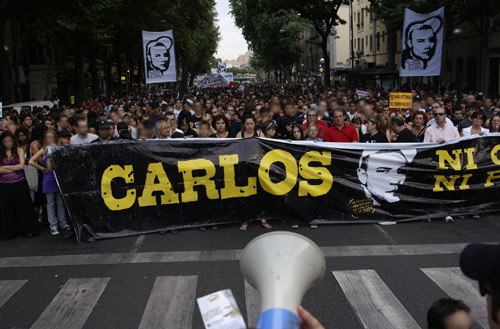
[[282, 266]]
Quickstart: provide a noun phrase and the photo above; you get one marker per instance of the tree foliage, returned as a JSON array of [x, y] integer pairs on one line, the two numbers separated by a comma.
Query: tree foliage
[[273, 35], [110, 31]]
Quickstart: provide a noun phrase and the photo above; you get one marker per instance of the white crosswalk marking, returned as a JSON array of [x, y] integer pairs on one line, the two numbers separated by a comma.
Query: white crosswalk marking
[[458, 286], [8, 288], [252, 300], [171, 303], [374, 303], [72, 305]]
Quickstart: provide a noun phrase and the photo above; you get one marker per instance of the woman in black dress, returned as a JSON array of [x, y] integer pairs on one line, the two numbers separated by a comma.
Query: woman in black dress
[[16, 208]]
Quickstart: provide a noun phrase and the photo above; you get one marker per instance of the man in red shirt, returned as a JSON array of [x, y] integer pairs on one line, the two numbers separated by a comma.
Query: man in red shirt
[[341, 132]]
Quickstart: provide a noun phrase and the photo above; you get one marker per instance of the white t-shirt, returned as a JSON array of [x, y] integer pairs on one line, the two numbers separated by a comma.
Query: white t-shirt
[[78, 140], [466, 131]]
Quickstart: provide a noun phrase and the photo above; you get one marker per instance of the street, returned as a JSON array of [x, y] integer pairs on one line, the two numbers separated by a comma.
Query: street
[[377, 276]]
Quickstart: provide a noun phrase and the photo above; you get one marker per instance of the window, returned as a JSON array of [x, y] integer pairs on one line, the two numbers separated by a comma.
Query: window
[[366, 41], [362, 19], [358, 18], [362, 45], [359, 44], [371, 42], [378, 40], [383, 37]]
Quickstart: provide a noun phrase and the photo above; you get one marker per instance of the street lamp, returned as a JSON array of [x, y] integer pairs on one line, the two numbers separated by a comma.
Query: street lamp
[[321, 61]]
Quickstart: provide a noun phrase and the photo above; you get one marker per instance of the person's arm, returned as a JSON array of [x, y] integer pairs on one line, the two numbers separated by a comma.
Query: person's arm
[[20, 166], [49, 162], [238, 135], [34, 161]]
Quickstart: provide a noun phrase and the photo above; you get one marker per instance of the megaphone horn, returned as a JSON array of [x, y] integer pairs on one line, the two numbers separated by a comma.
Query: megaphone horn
[[282, 266]]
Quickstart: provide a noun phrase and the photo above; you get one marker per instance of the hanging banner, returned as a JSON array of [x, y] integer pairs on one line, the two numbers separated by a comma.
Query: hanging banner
[[221, 67], [400, 100], [216, 80], [362, 93], [159, 56], [422, 43], [132, 187]]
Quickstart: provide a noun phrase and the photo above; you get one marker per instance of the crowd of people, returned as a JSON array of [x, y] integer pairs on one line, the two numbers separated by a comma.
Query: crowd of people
[[300, 112], [289, 112]]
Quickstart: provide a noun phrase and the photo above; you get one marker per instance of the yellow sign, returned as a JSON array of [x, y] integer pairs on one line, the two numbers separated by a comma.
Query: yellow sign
[[401, 100], [72, 99], [124, 78]]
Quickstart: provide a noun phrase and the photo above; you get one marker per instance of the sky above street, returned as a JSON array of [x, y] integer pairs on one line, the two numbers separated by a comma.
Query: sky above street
[[231, 43]]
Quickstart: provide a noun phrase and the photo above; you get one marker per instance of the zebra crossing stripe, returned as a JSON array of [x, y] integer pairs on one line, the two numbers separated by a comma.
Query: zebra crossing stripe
[[222, 255], [458, 286], [252, 301], [72, 305], [8, 288], [171, 303], [374, 303]]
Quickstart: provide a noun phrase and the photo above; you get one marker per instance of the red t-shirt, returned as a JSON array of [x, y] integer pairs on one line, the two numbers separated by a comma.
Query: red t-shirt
[[348, 134]]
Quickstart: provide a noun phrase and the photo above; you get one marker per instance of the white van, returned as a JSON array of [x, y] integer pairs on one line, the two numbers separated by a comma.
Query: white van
[[27, 106]]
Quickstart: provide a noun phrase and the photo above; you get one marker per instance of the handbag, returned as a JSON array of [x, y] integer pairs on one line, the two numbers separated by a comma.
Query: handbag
[[31, 174]]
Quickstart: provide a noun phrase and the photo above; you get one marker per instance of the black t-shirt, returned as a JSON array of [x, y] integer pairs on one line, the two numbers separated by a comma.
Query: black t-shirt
[[406, 136], [230, 135], [98, 140], [377, 138], [191, 134], [196, 121], [156, 117], [178, 134]]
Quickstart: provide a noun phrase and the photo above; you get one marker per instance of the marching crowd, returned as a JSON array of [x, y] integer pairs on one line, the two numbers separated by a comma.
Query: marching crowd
[[28, 184], [299, 112]]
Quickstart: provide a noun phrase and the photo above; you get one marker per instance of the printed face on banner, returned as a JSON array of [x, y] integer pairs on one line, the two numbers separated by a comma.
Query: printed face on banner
[[158, 56], [422, 43], [380, 175]]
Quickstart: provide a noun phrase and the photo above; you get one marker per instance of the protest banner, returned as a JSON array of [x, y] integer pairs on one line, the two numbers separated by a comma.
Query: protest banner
[[362, 93], [132, 187], [422, 43], [159, 56], [400, 100], [216, 80]]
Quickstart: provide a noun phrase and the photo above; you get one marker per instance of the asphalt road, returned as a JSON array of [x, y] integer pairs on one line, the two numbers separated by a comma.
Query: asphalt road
[[377, 276]]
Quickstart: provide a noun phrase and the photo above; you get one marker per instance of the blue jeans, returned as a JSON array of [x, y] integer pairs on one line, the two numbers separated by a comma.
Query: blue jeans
[[55, 204]]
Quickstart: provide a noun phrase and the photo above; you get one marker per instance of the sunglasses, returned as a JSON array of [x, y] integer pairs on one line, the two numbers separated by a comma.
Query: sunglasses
[[438, 114]]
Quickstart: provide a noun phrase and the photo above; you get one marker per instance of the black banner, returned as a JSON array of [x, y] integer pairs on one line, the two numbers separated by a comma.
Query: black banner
[[123, 188]]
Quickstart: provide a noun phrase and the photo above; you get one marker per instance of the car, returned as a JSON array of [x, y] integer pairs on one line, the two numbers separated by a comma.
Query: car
[[21, 107]]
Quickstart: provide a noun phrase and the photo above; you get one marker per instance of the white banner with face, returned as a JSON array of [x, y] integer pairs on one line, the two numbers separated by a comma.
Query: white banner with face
[[159, 56], [221, 67], [422, 43]]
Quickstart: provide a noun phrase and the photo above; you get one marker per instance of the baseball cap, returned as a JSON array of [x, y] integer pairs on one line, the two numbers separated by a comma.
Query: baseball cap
[[104, 124], [121, 125], [481, 262], [103, 113], [126, 114], [64, 133]]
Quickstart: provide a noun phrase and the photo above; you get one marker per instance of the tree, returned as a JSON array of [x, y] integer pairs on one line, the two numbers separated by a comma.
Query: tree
[[323, 16], [272, 35]]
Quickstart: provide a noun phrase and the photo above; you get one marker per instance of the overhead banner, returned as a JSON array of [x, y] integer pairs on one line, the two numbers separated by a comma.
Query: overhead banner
[[221, 67], [159, 56], [216, 80], [400, 100], [422, 43], [132, 187]]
